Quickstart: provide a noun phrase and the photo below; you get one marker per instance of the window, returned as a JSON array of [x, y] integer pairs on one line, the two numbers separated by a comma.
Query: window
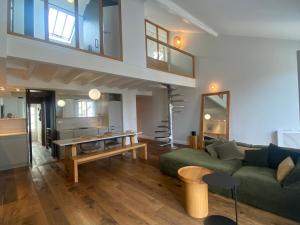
[[86, 108], [154, 49], [61, 25]]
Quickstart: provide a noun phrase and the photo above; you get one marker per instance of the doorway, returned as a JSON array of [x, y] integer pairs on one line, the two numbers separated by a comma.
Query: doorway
[[41, 126]]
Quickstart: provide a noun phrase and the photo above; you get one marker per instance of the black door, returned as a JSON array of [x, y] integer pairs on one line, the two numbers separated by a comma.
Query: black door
[[47, 98]]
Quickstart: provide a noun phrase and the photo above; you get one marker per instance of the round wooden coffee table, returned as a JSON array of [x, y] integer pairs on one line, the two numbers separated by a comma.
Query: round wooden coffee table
[[196, 191]]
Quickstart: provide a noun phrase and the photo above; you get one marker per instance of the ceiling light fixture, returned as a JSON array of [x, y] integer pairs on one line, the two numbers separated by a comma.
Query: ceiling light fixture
[[2, 89], [61, 103], [17, 89], [94, 94], [71, 1]]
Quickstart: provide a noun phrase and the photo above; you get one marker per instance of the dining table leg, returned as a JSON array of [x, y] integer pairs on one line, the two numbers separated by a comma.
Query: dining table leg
[[70, 152]]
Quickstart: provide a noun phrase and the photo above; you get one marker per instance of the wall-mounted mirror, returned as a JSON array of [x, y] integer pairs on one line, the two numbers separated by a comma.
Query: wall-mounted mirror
[[214, 116], [12, 105]]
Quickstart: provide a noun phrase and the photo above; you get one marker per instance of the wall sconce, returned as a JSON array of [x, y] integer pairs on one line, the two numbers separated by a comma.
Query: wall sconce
[[207, 116], [177, 42], [213, 87], [2, 89]]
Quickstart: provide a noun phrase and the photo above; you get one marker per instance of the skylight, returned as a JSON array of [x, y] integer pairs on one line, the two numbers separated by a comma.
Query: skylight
[[61, 25]]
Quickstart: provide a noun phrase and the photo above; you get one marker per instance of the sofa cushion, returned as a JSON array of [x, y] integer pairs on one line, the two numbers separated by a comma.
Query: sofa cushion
[[277, 154], [172, 161], [294, 177], [228, 151], [284, 169], [211, 148], [260, 188], [256, 158]]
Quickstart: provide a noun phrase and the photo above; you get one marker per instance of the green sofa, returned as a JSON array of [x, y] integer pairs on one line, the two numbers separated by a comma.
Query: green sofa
[[258, 185]]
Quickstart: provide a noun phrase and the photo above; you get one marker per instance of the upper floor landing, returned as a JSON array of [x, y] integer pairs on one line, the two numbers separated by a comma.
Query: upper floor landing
[[105, 36]]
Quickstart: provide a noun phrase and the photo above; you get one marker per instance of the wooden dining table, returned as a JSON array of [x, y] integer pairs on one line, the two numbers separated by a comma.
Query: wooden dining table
[[71, 144]]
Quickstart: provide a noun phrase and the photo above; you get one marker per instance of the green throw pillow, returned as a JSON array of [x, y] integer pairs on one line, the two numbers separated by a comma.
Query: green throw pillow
[[228, 151], [211, 149]]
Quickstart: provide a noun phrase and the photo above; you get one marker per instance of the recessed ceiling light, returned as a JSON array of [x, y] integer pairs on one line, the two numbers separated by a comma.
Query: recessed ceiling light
[[18, 89]]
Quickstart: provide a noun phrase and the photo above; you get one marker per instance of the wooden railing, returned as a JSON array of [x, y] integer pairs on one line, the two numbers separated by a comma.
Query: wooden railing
[[164, 57]]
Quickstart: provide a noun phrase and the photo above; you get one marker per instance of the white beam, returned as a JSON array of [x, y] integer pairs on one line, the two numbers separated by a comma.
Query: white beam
[[136, 84], [130, 83], [121, 82], [29, 72], [94, 79], [73, 75], [186, 15], [61, 71]]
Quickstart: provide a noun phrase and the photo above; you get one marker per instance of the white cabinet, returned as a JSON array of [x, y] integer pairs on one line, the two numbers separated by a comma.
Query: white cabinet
[[115, 120]]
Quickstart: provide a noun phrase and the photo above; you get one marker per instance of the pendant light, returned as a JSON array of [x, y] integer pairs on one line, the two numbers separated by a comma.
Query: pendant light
[[94, 94]]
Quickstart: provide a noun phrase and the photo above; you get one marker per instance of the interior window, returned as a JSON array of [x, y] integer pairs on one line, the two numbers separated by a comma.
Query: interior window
[[86, 108], [154, 49]]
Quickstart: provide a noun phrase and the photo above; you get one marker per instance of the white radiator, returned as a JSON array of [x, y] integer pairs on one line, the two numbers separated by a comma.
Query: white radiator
[[288, 138]]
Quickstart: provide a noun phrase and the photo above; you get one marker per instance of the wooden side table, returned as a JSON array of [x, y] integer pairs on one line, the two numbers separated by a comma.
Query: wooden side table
[[196, 191]]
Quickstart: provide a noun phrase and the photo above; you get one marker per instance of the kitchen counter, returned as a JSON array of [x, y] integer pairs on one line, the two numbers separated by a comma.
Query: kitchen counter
[[8, 134], [82, 128]]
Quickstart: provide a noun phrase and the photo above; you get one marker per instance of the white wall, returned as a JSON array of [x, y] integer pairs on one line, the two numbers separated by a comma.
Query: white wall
[[151, 110], [261, 75], [133, 32]]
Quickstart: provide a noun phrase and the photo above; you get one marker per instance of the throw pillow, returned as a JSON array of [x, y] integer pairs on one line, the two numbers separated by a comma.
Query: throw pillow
[[278, 154], [228, 151], [294, 176], [211, 149], [284, 169], [257, 158]]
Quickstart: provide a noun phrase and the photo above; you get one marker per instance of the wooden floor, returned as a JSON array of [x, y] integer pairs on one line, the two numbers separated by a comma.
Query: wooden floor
[[41, 155], [119, 191]]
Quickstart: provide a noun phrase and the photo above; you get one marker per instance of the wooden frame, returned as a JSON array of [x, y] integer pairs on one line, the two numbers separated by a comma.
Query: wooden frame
[[149, 61], [201, 136], [46, 39]]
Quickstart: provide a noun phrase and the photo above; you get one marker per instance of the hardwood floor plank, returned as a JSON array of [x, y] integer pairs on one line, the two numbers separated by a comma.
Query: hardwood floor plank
[[70, 196], [49, 205]]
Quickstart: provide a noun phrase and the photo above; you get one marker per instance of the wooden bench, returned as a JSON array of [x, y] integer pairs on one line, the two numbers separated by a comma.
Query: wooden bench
[[72, 163]]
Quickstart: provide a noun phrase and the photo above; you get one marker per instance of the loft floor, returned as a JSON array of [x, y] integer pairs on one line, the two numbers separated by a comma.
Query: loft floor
[[110, 192]]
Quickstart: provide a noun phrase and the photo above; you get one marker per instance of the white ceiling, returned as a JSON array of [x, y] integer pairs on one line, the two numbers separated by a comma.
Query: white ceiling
[[159, 14], [253, 18]]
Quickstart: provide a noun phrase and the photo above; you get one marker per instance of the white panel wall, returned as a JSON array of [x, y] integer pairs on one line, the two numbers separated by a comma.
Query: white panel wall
[[133, 29], [261, 75]]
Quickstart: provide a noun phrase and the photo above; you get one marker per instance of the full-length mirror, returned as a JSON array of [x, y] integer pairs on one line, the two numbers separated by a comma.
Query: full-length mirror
[[214, 116]]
